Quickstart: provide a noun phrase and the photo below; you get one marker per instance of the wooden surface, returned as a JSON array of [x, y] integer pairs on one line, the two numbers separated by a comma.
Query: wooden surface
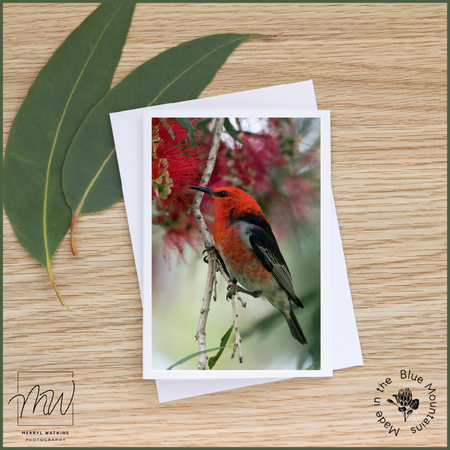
[[381, 70]]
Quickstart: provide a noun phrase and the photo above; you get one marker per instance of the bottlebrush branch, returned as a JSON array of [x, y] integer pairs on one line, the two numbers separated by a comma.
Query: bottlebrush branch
[[195, 208], [213, 263]]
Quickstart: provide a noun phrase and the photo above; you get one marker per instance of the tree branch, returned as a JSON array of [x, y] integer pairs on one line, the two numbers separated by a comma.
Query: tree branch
[[205, 180], [230, 281], [212, 262], [201, 327], [238, 340]]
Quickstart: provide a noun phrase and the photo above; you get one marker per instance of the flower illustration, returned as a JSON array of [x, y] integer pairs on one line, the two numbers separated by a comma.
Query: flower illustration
[[405, 403]]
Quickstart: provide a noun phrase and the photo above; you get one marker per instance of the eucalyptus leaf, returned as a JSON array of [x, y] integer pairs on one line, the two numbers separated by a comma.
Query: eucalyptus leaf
[[75, 78], [168, 128], [91, 176], [203, 125], [223, 342], [186, 123], [229, 127]]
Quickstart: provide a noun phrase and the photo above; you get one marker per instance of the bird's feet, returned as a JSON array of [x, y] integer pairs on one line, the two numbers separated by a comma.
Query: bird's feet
[[235, 289], [212, 252]]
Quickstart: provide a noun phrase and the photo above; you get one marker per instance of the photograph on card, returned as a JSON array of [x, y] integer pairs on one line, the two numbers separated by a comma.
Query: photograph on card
[[234, 245]]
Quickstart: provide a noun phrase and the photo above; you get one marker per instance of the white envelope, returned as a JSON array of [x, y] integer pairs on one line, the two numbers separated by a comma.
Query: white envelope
[[127, 129]]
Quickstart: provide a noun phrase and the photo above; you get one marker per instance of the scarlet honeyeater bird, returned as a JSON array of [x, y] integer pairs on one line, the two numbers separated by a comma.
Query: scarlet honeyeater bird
[[247, 245]]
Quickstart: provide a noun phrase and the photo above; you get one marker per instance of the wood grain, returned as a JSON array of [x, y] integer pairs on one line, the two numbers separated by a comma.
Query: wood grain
[[381, 70]]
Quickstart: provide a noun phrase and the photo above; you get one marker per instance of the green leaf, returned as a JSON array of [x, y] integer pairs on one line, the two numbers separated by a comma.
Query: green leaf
[[75, 78], [231, 131], [193, 355], [186, 123], [91, 178], [168, 128], [223, 342], [203, 125]]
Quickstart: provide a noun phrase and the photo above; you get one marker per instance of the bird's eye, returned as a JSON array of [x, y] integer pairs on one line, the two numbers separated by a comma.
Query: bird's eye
[[223, 194]]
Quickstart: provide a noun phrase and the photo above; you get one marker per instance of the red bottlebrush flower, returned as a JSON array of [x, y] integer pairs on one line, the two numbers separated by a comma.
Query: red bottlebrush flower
[[254, 162], [293, 202], [175, 164], [247, 166], [300, 193], [181, 231]]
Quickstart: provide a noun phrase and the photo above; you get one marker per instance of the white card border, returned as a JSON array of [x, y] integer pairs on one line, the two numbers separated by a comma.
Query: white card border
[[326, 305]]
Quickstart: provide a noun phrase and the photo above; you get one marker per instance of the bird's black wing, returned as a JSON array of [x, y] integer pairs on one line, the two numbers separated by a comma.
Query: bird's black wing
[[267, 251]]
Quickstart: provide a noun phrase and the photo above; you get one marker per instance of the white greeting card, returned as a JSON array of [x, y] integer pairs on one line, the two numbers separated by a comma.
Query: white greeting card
[[298, 185], [128, 135]]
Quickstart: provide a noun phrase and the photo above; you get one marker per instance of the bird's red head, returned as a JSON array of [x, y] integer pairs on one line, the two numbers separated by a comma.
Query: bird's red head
[[230, 202]]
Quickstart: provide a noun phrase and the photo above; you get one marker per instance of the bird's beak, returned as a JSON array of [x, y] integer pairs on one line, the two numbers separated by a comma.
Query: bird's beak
[[202, 189]]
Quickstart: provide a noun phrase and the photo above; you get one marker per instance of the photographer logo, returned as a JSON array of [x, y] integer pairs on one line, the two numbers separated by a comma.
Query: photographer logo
[[44, 399]]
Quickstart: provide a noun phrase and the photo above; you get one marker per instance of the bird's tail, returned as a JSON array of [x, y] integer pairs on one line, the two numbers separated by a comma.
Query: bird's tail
[[295, 328]]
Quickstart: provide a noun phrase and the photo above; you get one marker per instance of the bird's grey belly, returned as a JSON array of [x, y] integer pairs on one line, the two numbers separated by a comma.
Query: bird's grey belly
[[249, 283], [272, 292]]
